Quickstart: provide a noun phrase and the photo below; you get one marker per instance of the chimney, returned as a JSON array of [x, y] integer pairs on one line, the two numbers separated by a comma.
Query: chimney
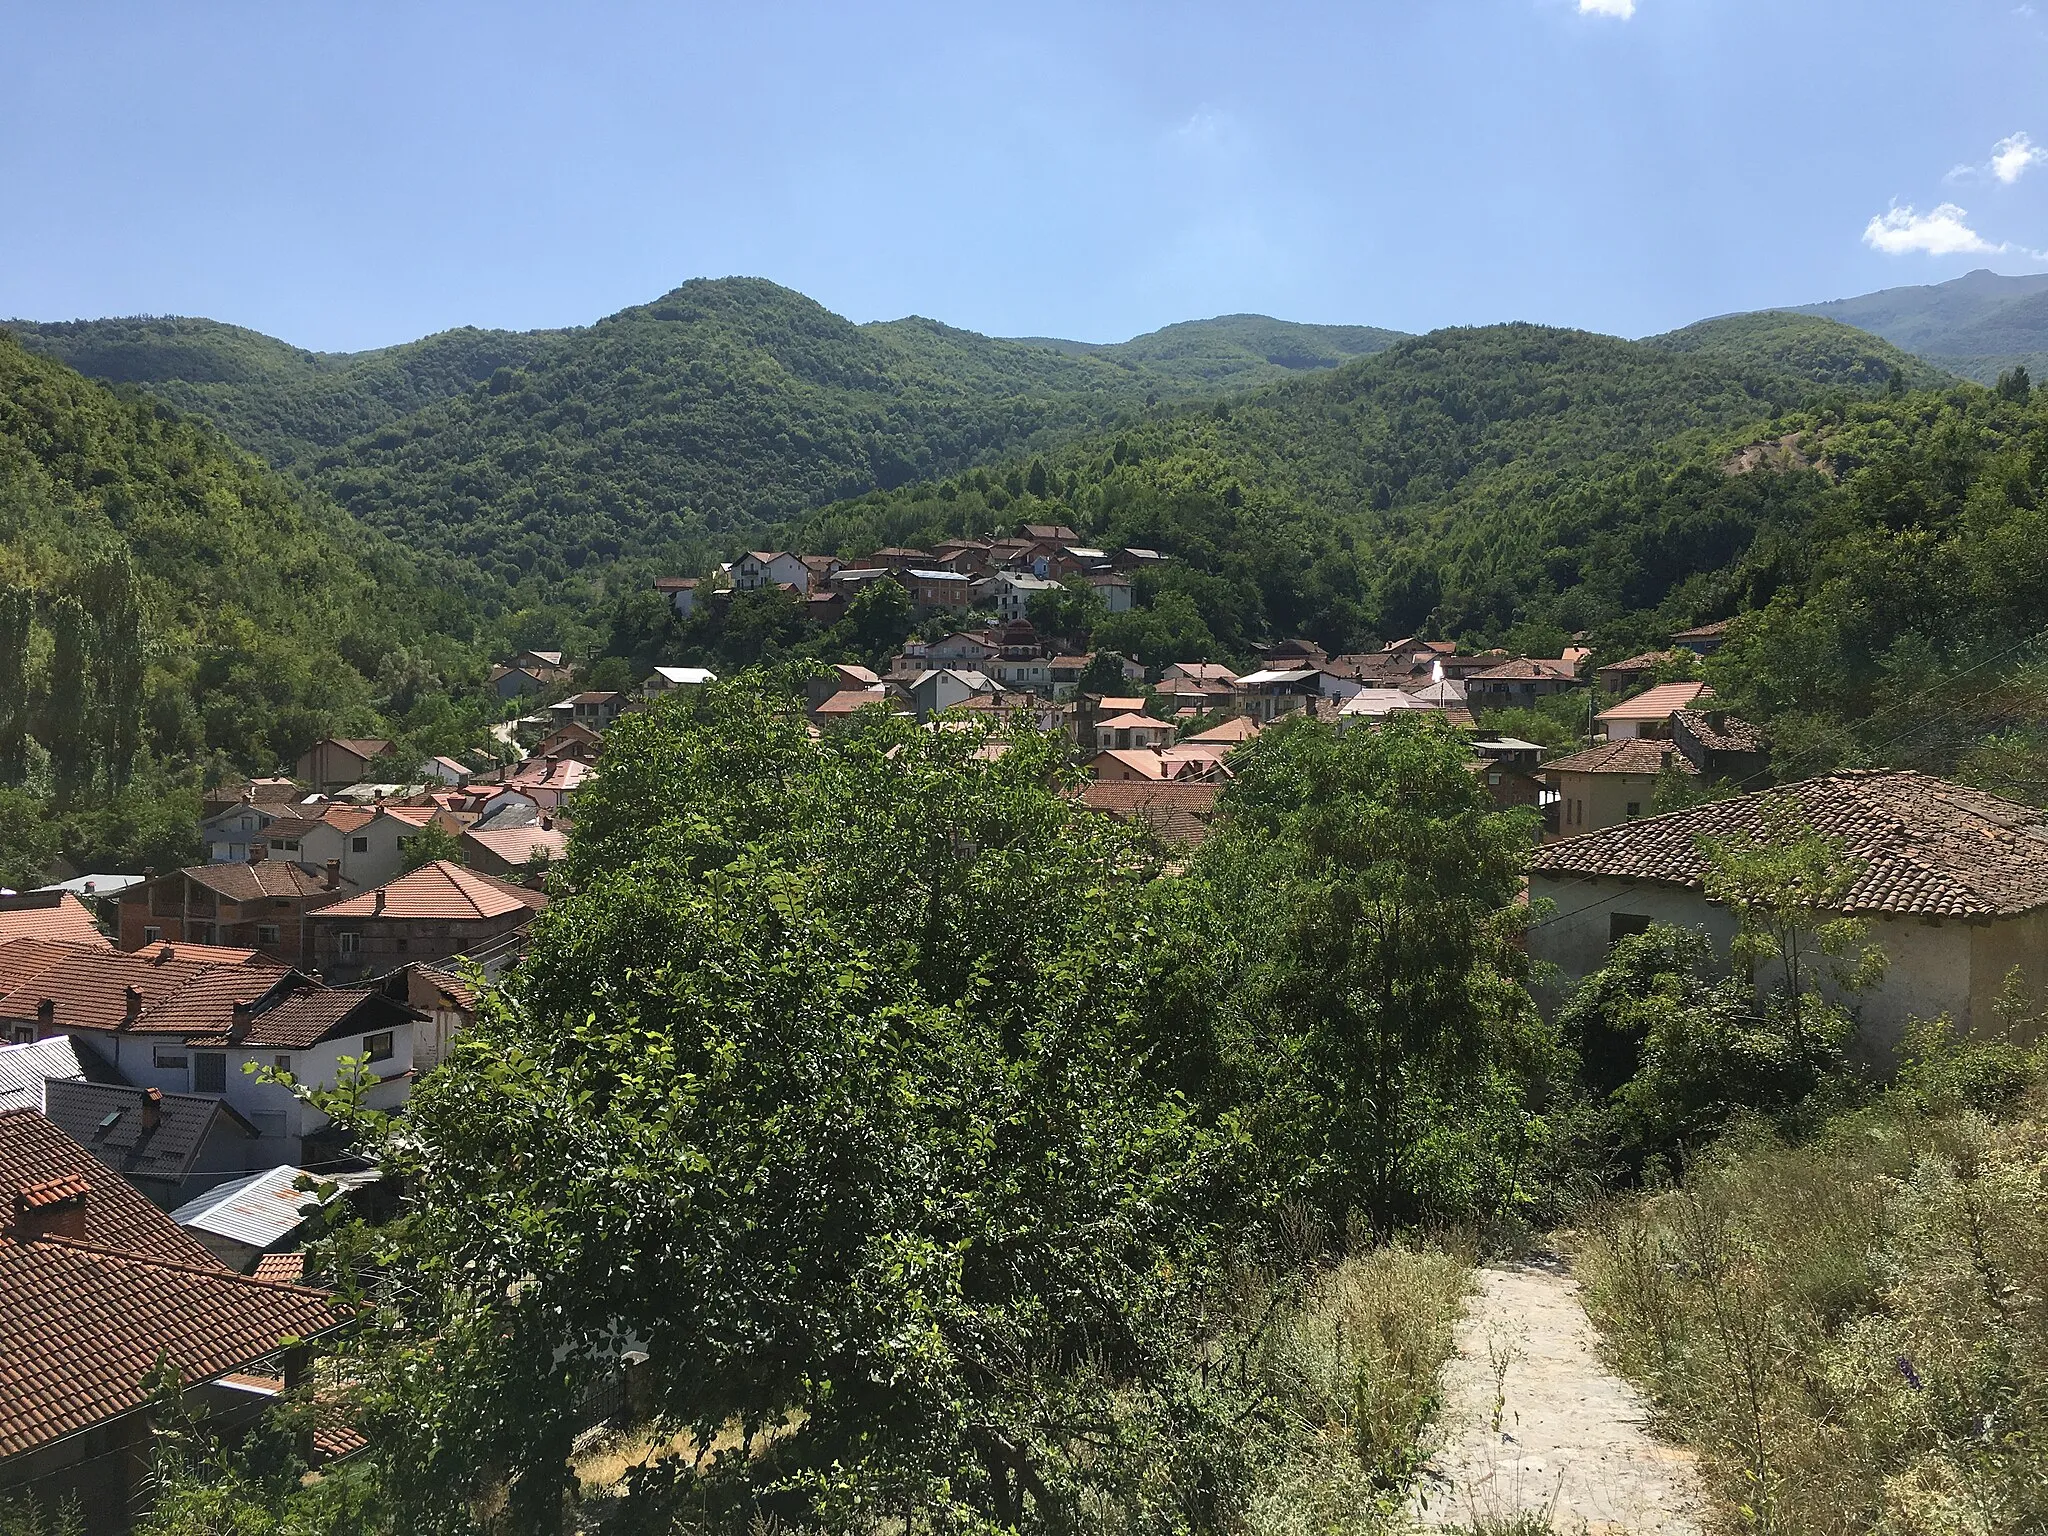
[[152, 1109], [547, 823], [258, 852], [132, 998], [377, 907], [46, 1016], [333, 873], [165, 955], [51, 1208], [239, 1021]]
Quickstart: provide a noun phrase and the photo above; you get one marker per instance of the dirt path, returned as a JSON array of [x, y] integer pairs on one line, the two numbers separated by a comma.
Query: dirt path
[[1536, 1425]]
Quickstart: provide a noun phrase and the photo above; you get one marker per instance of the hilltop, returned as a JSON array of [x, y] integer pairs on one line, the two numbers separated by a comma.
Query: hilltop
[[1978, 325]]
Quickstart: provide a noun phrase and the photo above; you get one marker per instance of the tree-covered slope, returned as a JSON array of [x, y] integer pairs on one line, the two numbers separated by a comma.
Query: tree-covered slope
[[1978, 325], [273, 398], [173, 590], [1820, 350], [1233, 352]]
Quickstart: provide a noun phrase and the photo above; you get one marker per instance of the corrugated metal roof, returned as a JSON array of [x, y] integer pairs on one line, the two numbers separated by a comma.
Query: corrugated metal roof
[[25, 1068], [260, 1209]]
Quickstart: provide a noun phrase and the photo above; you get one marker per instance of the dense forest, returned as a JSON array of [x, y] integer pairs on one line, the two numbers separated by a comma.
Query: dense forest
[[1979, 325]]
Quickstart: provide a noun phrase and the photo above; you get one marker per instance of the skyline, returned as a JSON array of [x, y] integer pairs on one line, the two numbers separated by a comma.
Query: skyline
[[1630, 166]]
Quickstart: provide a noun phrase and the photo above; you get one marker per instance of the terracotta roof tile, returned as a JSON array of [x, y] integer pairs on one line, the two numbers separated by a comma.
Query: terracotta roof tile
[[1658, 703], [307, 1017], [264, 879], [1928, 846], [117, 1214], [49, 915], [1639, 754], [285, 1268], [440, 890], [1179, 813], [1729, 735]]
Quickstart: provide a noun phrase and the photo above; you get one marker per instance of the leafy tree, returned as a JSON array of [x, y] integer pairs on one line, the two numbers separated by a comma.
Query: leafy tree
[[17, 610], [2015, 385], [432, 841], [1379, 883], [1104, 675], [68, 702]]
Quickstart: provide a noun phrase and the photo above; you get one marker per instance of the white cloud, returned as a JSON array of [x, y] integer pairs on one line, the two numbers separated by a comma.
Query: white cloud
[[1619, 8], [1938, 232], [2011, 157]]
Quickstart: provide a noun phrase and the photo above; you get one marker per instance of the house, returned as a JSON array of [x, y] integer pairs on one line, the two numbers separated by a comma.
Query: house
[[1510, 786], [1649, 712], [962, 650], [1050, 533], [939, 591], [1128, 765], [1270, 692], [27, 1069], [1518, 684], [1620, 676], [1013, 591], [1133, 730], [1178, 813], [184, 1023], [258, 906], [665, 679], [1238, 728], [445, 1002], [1370, 705], [510, 853], [1512, 751], [242, 1219], [168, 1145], [1610, 783], [849, 702], [528, 672], [840, 677], [437, 911], [100, 1287], [363, 847], [770, 568], [571, 740], [55, 915], [1705, 639], [681, 592], [593, 711], [894, 559], [548, 783], [445, 770], [1210, 675], [945, 688], [1725, 749], [1954, 883], [231, 832], [337, 762]]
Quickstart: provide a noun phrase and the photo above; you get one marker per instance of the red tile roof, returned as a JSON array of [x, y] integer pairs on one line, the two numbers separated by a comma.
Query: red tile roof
[[265, 879], [1178, 813], [516, 845], [1639, 754], [117, 1214], [1237, 728], [1927, 846], [1658, 703], [307, 1017], [49, 915], [287, 1268], [1730, 734], [440, 890]]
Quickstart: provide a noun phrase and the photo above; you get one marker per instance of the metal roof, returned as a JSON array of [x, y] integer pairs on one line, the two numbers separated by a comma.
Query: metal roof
[[260, 1209], [24, 1069]]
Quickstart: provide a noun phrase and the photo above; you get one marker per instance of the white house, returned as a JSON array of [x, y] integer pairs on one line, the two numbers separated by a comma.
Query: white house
[[681, 591], [665, 678], [1014, 590], [946, 687], [1954, 882], [770, 568], [229, 834], [1113, 589]]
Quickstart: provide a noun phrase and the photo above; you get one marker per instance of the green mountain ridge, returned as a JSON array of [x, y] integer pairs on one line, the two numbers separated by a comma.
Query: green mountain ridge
[[1978, 325], [1234, 351]]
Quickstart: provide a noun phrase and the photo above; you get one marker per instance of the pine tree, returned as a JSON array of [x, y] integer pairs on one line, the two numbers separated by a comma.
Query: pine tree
[[17, 610], [67, 702]]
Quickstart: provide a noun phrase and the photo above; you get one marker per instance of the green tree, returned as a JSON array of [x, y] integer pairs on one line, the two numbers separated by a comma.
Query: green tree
[[68, 702], [17, 613], [432, 841], [1104, 675], [30, 840], [2014, 384]]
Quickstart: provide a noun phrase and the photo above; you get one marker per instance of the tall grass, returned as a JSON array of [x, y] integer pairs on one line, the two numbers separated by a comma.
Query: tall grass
[[1354, 1368], [1852, 1330]]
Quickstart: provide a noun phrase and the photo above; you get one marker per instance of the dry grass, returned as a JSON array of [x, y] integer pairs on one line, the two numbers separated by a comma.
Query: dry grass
[[1853, 1331], [1356, 1366]]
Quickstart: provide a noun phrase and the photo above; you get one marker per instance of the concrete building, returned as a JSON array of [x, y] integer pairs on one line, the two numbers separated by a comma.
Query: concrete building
[[1611, 783]]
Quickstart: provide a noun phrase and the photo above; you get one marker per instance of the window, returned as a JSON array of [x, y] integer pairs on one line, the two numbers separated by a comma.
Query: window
[[284, 845], [359, 845], [399, 945], [283, 1062], [268, 934], [165, 1059], [209, 1072], [348, 943], [152, 935], [1635, 809], [378, 1047], [1625, 925]]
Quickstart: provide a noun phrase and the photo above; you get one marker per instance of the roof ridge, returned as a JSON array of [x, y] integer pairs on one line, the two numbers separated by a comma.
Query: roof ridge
[[178, 1266]]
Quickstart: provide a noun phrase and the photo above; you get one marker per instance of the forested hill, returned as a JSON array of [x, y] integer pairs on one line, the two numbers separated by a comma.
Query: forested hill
[[1234, 351], [165, 597], [1823, 352], [276, 400], [1978, 325]]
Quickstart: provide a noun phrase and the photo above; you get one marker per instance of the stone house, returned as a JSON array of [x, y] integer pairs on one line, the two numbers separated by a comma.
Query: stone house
[[1954, 881], [260, 906], [338, 762], [438, 911]]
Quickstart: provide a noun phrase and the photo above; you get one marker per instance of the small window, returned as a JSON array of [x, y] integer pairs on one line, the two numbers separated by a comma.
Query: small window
[[1635, 809], [283, 1062], [348, 943], [399, 945], [1625, 925], [359, 845], [378, 1047], [152, 935], [284, 845], [209, 1072], [167, 1060], [269, 934]]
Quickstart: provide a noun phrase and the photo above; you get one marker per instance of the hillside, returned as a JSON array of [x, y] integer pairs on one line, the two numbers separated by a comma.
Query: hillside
[[168, 602], [272, 398], [1233, 352], [1820, 350], [1977, 325]]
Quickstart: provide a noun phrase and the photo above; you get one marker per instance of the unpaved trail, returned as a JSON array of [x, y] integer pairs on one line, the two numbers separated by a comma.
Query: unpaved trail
[[1535, 1424]]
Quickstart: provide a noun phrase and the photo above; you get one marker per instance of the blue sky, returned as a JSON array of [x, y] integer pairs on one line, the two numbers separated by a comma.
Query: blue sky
[[349, 175]]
